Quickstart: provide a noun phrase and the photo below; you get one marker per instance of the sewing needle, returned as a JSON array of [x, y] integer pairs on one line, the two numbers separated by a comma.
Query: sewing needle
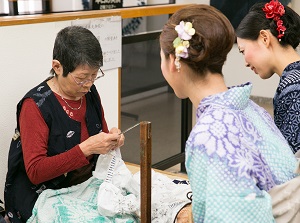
[[126, 130]]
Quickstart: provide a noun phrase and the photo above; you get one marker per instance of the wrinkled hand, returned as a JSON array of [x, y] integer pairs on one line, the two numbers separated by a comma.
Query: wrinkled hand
[[102, 143], [120, 141]]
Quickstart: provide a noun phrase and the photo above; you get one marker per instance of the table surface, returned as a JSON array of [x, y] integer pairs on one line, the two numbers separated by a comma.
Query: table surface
[[135, 168]]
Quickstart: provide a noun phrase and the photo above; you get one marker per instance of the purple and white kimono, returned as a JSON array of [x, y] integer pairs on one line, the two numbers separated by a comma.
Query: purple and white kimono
[[234, 155]]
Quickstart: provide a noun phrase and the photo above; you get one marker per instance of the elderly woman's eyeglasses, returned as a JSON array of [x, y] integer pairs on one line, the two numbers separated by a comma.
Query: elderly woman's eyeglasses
[[81, 83]]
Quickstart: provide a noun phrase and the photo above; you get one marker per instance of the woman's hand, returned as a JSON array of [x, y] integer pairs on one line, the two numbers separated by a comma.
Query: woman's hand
[[102, 143], [185, 215], [120, 141]]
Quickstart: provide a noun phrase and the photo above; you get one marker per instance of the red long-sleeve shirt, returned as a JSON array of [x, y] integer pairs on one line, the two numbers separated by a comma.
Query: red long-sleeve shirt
[[34, 134]]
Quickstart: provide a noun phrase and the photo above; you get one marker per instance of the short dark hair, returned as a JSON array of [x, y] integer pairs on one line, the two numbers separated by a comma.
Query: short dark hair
[[75, 46], [256, 20], [210, 44]]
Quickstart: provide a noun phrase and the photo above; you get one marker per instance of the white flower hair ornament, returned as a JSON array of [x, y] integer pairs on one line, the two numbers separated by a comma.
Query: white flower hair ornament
[[181, 44]]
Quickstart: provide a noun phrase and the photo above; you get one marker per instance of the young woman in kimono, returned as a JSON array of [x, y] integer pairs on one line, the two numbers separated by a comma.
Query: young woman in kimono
[[267, 37], [235, 154]]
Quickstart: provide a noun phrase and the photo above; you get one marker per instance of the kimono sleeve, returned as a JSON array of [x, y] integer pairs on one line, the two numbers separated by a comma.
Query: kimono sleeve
[[220, 172]]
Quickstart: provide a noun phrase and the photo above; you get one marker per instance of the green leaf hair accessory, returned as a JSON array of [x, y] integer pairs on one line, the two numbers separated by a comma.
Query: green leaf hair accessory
[[181, 44]]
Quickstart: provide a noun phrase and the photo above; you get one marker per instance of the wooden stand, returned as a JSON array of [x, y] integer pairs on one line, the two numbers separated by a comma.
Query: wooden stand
[[145, 174]]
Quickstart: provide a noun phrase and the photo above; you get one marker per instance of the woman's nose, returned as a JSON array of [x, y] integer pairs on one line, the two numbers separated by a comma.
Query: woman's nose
[[88, 84]]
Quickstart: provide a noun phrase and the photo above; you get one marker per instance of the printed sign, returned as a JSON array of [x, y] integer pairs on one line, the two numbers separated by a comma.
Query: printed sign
[[108, 31]]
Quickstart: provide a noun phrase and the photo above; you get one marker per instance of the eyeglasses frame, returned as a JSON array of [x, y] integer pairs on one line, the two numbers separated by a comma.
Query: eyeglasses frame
[[82, 83]]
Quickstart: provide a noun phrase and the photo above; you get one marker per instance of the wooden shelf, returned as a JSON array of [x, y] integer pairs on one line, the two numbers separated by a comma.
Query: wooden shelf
[[123, 12]]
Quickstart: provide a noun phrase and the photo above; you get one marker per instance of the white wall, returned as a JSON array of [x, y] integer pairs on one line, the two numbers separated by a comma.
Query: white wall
[[296, 5], [235, 73], [26, 54]]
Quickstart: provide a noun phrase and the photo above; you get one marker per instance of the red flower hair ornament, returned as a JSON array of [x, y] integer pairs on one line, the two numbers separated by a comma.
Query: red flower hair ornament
[[274, 10]]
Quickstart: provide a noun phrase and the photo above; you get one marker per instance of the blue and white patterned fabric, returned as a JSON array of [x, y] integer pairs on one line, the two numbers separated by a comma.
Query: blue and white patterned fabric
[[287, 105], [234, 155], [111, 195]]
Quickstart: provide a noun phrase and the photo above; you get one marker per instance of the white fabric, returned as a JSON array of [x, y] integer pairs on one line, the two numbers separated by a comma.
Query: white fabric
[[111, 195], [121, 174], [167, 197], [286, 201], [111, 201]]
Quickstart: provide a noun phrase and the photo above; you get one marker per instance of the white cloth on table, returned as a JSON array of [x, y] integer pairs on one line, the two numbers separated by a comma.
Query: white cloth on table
[[166, 200], [112, 194]]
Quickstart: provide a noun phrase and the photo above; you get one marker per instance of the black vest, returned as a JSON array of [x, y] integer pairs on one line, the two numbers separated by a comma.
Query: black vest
[[20, 194]]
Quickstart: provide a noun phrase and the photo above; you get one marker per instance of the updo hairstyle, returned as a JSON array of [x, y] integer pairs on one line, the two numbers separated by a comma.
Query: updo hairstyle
[[210, 44], [256, 20]]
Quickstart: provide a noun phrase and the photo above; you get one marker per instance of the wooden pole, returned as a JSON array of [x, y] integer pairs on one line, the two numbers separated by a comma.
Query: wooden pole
[[146, 146]]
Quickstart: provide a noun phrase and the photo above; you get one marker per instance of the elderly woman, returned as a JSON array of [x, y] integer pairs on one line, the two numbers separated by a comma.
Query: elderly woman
[[61, 128]]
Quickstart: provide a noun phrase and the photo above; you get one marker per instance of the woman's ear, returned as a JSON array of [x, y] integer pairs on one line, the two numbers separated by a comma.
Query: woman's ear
[[57, 67], [265, 37], [172, 65]]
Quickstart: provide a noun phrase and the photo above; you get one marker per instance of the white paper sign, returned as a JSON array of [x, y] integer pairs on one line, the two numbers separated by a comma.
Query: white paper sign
[[108, 31]]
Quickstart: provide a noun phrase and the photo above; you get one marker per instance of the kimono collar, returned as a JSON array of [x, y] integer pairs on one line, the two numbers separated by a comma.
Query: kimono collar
[[236, 98], [291, 66]]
